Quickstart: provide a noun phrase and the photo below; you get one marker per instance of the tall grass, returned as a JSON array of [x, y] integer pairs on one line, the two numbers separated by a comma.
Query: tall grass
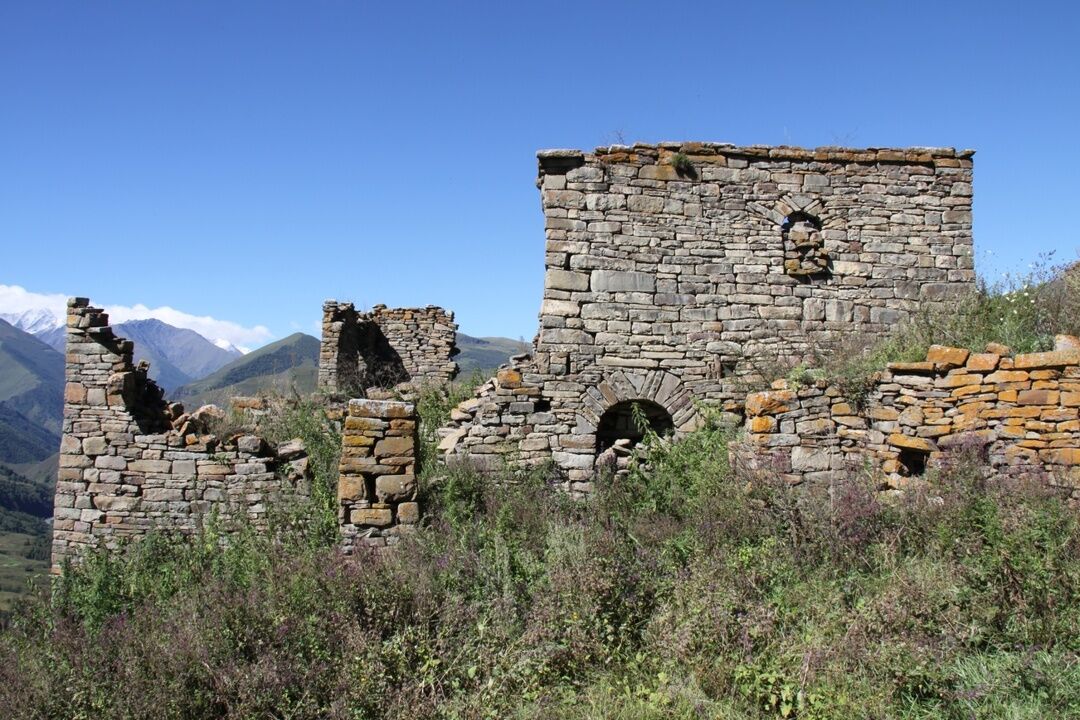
[[679, 592]]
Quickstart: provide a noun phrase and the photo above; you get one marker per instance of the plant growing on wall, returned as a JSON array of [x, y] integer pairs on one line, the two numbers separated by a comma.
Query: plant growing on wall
[[683, 166]]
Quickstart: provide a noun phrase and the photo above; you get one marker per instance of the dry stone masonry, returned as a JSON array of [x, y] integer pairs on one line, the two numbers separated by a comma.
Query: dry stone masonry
[[1021, 411], [674, 271], [377, 474], [384, 347], [131, 463]]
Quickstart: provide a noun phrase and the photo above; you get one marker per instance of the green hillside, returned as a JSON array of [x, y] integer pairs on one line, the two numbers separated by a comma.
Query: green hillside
[[288, 363], [485, 354], [31, 378]]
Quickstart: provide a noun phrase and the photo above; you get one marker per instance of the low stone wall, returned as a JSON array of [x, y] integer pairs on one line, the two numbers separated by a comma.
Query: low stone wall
[[1023, 411], [131, 463], [377, 474]]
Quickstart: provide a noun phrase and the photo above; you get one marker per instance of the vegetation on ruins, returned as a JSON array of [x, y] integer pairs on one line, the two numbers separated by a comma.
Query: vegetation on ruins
[[1021, 312], [678, 591]]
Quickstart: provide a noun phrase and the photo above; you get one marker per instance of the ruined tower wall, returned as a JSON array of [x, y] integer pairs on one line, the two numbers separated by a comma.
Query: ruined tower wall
[[674, 269], [385, 347], [128, 466]]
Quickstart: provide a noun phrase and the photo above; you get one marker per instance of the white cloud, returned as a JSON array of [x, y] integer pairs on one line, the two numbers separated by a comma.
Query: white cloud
[[15, 299]]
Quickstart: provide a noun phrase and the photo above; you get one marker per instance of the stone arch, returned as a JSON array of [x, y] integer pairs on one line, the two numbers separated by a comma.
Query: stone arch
[[792, 203], [620, 422], [658, 387]]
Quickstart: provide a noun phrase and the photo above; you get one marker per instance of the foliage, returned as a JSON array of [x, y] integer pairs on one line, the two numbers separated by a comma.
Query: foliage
[[679, 592], [433, 405], [1022, 312]]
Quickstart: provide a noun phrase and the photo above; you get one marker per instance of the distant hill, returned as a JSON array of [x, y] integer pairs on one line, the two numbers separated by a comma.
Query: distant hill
[[31, 396], [290, 363], [177, 356], [485, 355]]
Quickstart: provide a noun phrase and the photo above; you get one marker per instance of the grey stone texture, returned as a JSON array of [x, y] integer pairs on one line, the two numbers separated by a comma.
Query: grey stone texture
[[674, 270], [384, 347], [131, 463]]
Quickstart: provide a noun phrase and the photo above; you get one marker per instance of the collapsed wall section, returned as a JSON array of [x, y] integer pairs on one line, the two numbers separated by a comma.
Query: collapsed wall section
[[1020, 412], [384, 347], [130, 463]]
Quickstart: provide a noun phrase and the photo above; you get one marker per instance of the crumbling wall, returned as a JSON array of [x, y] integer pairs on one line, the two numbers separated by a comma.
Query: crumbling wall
[[384, 347], [377, 474], [131, 463], [1021, 411], [689, 267]]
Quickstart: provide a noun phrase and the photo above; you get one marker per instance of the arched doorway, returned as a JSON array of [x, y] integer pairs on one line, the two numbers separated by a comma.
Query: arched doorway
[[618, 423]]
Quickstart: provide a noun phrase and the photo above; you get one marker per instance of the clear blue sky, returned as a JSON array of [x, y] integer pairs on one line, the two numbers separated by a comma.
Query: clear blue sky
[[247, 160]]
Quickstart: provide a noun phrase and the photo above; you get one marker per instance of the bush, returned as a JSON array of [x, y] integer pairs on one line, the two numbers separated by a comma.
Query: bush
[[677, 592]]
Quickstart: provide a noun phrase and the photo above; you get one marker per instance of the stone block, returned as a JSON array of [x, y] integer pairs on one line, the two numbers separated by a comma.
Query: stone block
[[375, 517], [395, 488]]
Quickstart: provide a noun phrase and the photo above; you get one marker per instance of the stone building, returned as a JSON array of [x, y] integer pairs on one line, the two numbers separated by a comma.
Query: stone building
[[384, 347], [673, 271]]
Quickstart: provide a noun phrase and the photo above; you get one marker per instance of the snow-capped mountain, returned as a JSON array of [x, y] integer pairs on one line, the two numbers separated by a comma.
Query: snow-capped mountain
[[34, 321]]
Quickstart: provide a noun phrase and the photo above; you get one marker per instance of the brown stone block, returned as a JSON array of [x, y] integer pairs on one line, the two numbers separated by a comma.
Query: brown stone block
[[1058, 415], [1016, 455], [883, 413], [1070, 399], [911, 443], [74, 393], [357, 441], [403, 426], [1038, 397], [1061, 456], [842, 409], [970, 390], [1008, 396], [351, 488], [911, 367], [364, 424], [377, 517], [945, 356], [395, 488], [1035, 443], [762, 424], [1008, 376], [1032, 361], [769, 402], [394, 447], [982, 362], [408, 513], [954, 380], [508, 378]]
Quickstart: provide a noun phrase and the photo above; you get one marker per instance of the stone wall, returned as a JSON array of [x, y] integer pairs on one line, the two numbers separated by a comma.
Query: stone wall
[[377, 474], [131, 463], [674, 271], [1021, 410], [384, 347]]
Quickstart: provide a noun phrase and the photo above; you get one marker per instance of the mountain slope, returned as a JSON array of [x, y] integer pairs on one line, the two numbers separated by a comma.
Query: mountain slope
[[31, 381], [283, 365], [484, 355], [177, 356]]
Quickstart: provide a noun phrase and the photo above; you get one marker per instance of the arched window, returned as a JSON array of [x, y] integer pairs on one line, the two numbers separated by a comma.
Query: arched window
[[805, 256]]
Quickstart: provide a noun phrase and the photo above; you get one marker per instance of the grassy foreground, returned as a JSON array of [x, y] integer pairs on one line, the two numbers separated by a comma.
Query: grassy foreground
[[679, 593]]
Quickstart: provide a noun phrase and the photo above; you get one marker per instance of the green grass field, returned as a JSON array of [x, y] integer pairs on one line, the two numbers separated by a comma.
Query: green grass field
[[15, 569]]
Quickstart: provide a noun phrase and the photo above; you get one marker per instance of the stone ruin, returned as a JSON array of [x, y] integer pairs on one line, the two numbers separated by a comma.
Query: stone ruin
[[132, 463], [1020, 414], [384, 348], [674, 272]]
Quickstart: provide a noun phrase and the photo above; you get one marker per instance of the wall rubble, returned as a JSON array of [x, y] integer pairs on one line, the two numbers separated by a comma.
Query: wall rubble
[[131, 463], [1023, 411]]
